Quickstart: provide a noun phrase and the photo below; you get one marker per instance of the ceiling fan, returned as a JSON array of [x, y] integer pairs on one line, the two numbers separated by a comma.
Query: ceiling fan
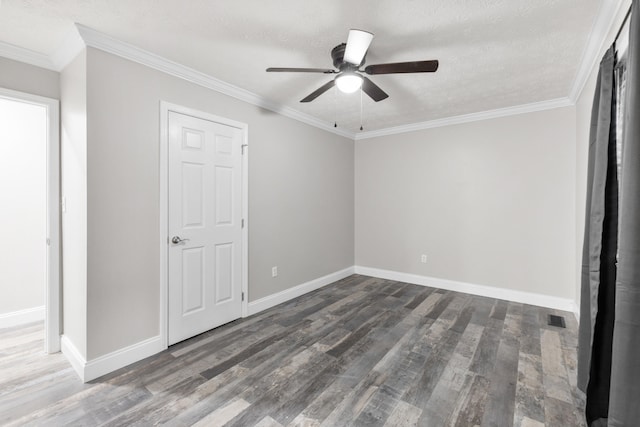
[[348, 58]]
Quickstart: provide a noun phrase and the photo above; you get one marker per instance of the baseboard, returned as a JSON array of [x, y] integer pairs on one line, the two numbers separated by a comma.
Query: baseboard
[[120, 358], [576, 310], [103, 365], [92, 369], [73, 355], [283, 296], [20, 317], [540, 300]]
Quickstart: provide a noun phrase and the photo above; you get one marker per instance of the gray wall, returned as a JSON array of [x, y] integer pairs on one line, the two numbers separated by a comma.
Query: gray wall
[[300, 197], [490, 202], [73, 85], [27, 78]]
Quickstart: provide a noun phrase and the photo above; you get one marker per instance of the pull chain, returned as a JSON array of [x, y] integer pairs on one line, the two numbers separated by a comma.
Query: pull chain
[[335, 107], [361, 128]]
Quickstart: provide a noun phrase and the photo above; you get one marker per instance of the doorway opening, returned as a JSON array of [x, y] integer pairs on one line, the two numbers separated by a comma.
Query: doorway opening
[[30, 218]]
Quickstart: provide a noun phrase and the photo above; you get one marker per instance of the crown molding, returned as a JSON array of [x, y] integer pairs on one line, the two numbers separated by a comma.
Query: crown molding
[[98, 40], [108, 44], [72, 45], [27, 56], [82, 36], [466, 118], [605, 20]]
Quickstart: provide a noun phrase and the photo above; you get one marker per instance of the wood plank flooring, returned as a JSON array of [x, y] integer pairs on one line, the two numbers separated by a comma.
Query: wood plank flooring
[[359, 352]]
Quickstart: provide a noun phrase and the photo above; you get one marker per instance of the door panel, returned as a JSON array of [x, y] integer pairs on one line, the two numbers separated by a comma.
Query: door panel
[[192, 195], [205, 212], [192, 280], [224, 272], [224, 195]]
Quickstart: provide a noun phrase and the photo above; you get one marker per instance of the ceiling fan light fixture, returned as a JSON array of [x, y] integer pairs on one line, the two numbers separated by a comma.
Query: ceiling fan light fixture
[[348, 82]]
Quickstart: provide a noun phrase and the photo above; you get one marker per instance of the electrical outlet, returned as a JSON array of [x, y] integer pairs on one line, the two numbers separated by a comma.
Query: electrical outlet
[[274, 271], [423, 259]]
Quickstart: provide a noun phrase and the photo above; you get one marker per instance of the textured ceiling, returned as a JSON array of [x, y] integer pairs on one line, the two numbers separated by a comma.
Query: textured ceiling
[[493, 53]]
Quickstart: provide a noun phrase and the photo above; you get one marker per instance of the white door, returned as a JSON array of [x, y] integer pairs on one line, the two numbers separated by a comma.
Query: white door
[[205, 225]]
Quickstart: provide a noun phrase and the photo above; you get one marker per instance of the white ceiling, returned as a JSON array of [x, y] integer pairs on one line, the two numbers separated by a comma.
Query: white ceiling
[[493, 53]]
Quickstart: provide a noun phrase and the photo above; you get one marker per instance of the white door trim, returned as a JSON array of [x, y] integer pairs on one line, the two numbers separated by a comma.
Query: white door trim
[[52, 294], [165, 108]]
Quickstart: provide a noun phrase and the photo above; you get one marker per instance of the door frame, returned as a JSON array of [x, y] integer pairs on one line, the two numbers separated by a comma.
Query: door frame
[[52, 286], [165, 109]]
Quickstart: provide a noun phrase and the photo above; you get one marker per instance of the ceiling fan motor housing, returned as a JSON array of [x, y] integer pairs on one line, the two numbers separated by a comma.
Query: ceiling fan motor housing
[[337, 54]]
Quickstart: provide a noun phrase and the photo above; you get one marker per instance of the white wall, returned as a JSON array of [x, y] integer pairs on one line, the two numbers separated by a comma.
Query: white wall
[[490, 202], [23, 139], [300, 197], [73, 88]]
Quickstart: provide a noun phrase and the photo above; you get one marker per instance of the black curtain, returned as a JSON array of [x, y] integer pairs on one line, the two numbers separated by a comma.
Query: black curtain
[[609, 336]]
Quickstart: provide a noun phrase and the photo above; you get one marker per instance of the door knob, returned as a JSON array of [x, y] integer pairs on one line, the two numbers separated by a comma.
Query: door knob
[[176, 239]]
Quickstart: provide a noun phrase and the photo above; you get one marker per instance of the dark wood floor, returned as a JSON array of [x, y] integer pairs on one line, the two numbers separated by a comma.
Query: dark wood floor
[[360, 352]]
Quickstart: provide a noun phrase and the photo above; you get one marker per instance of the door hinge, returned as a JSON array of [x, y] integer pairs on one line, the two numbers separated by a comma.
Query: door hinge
[[244, 145], [242, 222], [242, 296], [48, 242]]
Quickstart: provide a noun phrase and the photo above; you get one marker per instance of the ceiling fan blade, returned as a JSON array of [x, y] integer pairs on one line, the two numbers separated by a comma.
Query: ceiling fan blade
[[357, 46], [403, 67], [301, 70], [322, 89], [373, 90]]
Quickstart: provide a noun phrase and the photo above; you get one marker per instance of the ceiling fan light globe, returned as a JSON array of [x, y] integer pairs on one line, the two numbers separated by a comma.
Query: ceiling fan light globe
[[349, 82]]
